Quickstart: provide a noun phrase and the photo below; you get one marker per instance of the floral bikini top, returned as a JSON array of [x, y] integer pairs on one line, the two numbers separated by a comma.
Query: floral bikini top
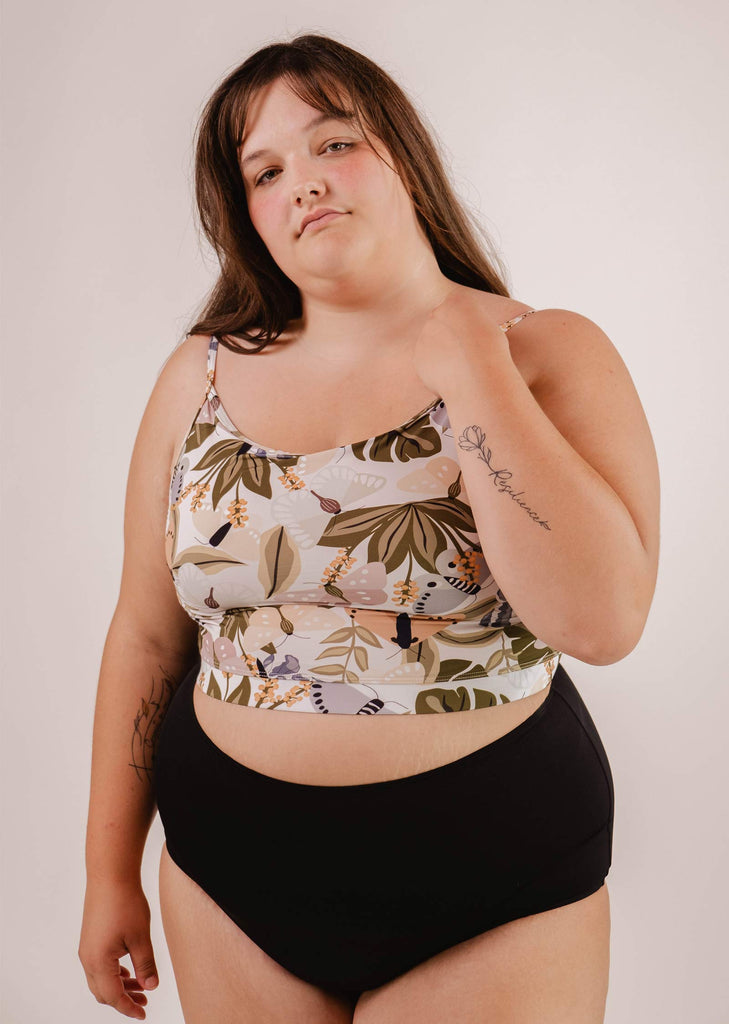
[[348, 581]]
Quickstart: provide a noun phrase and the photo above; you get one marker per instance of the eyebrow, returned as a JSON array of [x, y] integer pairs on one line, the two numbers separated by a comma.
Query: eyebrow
[[314, 123]]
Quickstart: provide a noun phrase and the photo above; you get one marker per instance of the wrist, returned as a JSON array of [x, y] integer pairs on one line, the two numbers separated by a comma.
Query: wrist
[[113, 876]]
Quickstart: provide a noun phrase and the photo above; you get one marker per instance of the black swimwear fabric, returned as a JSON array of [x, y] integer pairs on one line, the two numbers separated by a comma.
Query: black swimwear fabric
[[350, 886]]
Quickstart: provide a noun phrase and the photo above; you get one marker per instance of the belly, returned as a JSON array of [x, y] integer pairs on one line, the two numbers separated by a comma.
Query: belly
[[348, 750]]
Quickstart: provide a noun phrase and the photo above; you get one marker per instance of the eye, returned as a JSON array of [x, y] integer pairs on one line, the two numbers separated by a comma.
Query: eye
[[263, 180]]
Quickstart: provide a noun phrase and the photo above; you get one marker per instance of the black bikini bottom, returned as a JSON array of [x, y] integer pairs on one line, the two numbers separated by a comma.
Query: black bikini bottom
[[349, 886]]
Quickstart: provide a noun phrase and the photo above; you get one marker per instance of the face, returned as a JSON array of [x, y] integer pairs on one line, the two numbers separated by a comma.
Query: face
[[307, 165]]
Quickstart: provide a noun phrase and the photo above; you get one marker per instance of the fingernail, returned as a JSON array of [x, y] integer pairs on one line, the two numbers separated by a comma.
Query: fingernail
[[151, 982]]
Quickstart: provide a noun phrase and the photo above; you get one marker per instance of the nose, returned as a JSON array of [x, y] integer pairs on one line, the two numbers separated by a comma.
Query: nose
[[309, 188], [306, 178]]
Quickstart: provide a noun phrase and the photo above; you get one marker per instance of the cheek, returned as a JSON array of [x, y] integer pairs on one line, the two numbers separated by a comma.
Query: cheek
[[267, 215], [360, 180], [371, 185]]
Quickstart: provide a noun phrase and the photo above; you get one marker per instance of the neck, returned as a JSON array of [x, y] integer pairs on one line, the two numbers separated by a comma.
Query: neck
[[378, 311]]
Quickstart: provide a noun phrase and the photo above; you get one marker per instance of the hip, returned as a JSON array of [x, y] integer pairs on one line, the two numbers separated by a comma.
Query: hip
[[531, 797]]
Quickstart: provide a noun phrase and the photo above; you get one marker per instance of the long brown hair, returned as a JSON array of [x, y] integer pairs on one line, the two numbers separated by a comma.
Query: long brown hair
[[252, 292]]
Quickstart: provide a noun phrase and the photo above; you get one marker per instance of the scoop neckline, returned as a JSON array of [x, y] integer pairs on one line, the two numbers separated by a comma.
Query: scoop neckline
[[222, 415]]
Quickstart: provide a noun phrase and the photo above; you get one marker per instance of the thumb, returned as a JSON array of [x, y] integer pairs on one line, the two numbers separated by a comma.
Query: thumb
[[145, 970]]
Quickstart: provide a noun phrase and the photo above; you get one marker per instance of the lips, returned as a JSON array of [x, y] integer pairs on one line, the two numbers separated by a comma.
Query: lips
[[325, 215]]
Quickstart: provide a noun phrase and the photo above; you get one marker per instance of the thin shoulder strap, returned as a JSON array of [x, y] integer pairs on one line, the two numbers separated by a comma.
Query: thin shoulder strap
[[516, 319], [212, 357]]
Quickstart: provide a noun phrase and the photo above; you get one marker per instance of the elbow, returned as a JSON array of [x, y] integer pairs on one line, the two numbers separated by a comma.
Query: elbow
[[601, 633], [621, 629], [608, 646], [602, 643]]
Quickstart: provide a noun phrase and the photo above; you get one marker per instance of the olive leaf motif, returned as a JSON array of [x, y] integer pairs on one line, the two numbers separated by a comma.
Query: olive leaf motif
[[231, 462], [417, 529], [199, 433], [417, 440]]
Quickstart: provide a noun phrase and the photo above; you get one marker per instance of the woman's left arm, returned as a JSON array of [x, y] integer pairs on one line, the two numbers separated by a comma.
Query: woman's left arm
[[562, 477]]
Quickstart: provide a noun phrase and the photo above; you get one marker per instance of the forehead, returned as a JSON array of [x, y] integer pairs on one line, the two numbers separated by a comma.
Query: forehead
[[276, 110]]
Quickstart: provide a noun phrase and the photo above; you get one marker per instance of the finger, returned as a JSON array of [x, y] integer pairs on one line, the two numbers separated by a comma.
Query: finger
[[109, 989], [133, 987], [144, 965]]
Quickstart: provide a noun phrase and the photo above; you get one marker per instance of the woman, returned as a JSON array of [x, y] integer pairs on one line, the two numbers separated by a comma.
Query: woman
[[319, 866]]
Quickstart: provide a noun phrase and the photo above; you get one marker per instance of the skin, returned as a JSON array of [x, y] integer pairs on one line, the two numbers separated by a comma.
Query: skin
[[147, 723]]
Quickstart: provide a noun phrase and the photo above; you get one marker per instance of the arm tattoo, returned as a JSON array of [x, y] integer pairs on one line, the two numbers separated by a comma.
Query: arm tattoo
[[472, 439], [147, 722]]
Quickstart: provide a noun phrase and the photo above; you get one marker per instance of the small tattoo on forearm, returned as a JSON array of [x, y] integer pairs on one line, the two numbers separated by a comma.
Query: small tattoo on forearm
[[147, 722], [474, 439]]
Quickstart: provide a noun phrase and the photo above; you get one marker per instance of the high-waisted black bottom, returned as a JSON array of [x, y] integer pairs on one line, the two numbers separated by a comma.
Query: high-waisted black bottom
[[349, 886]]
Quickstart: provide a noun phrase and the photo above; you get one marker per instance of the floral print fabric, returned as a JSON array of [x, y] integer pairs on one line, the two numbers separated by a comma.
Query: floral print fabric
[[348, 581]]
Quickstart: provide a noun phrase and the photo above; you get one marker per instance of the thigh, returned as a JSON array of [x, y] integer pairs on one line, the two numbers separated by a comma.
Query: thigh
[[221, 974], [548, 968]]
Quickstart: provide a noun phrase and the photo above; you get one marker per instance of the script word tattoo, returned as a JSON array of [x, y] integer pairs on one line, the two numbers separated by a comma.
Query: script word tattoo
[[474, 439], [147, 722]]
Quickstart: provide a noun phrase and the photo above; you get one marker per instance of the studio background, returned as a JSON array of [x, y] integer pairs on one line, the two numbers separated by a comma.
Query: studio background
[[591, 141]]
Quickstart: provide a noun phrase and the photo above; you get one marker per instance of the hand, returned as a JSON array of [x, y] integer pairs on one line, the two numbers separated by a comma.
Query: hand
[[457, 326], [116, 922]]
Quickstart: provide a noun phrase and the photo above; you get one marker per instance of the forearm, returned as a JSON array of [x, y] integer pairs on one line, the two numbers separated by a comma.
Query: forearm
[[557, 538], [136, 684]]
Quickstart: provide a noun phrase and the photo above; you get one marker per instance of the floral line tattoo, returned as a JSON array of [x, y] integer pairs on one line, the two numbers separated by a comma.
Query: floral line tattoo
[[147, 722], [472, 439]]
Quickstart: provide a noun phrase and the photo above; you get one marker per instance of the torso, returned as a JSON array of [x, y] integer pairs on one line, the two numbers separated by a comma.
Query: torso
[[343, 749]]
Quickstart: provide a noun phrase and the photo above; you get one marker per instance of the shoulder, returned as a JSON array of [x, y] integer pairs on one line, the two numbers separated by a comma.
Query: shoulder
[[178, 393], [540, 321], [560, 344], [183, 365]]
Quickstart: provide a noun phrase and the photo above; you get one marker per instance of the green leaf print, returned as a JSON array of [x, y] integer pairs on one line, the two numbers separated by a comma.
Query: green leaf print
[[217, 454], [241, 694], [419, 440], [234, 623], [199, 433], [450, 668], [421, 529], [231, 465], [483, 699], [436, 701], [523, 649], [212, 688]]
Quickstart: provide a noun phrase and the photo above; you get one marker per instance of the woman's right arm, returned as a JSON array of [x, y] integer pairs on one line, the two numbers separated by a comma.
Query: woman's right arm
[[150, 644]]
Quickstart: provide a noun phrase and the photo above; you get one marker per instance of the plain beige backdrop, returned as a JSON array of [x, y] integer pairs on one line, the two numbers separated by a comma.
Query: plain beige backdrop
[[592, 141]]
